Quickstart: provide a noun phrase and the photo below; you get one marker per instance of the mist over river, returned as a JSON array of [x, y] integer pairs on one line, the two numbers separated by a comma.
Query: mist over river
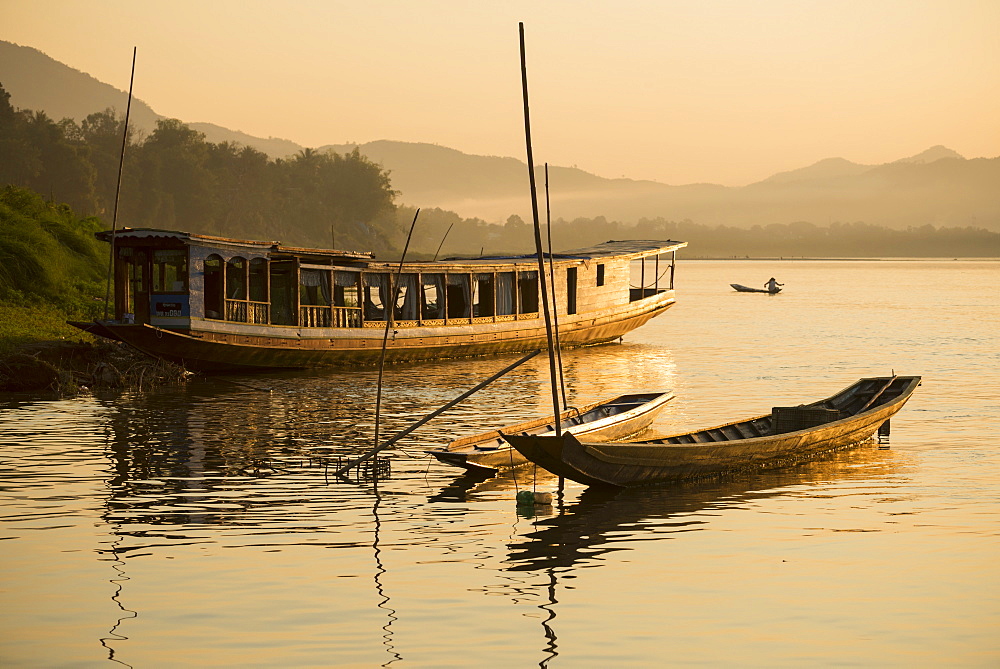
[[192, 526]]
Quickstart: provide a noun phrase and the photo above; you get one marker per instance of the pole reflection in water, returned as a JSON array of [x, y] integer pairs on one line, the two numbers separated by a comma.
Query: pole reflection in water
[[116, 563], [550, 632], [119, 566], [379, 571]]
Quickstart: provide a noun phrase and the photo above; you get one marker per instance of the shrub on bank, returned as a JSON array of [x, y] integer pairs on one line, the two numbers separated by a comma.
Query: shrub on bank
[[49, 256]]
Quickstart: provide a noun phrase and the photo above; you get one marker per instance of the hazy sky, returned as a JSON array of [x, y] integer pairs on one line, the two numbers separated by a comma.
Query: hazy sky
[[680, 92]]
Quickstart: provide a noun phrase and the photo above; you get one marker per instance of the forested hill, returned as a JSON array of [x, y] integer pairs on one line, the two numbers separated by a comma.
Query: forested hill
[[174, 179]]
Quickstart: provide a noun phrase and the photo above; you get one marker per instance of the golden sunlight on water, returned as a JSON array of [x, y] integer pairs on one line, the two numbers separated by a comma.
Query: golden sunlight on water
[[194, 526]]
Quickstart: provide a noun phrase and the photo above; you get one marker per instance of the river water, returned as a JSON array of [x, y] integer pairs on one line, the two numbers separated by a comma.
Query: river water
[[194, 526]]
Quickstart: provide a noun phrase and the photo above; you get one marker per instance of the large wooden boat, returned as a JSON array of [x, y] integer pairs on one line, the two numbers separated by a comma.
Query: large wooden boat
[[785, 436], [618, 418], [212, 303]]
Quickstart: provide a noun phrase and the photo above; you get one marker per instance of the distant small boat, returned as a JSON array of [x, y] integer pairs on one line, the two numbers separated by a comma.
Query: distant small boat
[[748, 289], [786, 436], [617, 418]]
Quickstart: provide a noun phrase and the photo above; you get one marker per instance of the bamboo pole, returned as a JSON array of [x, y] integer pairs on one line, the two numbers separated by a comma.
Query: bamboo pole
[[118, 188], [388, 311], [538, 235], [555, 303], [433, 414], [442, 241]]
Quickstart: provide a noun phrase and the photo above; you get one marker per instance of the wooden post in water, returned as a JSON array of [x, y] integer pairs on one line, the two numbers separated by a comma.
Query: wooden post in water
[[118, 188], [538, 238]]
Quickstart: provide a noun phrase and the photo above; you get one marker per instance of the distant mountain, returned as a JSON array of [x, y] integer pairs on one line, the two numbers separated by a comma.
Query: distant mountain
[[937, 187], [932, 155], [272, 146], [831, 168], [443, 176], [40, 83], [950, 191], [37, 82]]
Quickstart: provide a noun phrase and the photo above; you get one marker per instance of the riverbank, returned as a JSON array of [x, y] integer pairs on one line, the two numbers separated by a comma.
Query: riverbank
[[22, 325], [68, 368], [41, 353]]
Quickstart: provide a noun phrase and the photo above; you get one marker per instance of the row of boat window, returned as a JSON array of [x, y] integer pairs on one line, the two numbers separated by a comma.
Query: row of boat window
[[284, 293]]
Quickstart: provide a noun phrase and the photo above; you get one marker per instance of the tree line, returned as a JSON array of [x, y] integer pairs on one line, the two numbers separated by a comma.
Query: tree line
[[798, 239], [474, 236], [175, 179]]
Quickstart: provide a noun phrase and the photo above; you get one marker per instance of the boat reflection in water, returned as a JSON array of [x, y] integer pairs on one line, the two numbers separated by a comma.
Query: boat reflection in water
[[603, 521], [224, 464], [220, 462], [602, 517]]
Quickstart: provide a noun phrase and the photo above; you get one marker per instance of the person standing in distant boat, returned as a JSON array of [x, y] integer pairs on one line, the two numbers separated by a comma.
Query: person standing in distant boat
[[773, 286]]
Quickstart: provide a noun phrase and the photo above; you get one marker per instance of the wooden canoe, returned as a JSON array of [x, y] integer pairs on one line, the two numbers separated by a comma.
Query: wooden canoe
[[621, 417], [786, 436], [747, 289]]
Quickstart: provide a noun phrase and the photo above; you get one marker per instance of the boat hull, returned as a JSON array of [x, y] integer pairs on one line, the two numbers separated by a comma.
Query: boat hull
[[255, 348], [640, 463], [489, 451]]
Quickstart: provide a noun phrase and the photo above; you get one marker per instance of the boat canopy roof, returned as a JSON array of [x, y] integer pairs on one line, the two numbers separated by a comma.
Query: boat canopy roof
[[153, 236], [631, 249], [627, 249]]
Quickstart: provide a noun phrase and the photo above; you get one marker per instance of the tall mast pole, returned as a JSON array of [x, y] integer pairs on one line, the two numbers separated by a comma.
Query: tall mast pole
[[118, 188], [554, 382]]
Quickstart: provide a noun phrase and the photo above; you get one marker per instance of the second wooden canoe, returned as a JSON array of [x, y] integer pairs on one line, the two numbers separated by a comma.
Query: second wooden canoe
[[618, 418]]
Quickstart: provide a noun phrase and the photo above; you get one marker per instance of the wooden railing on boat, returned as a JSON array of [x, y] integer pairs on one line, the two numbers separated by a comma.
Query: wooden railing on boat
[[327, 317], [314, 317], [245, 311], [346, 317]]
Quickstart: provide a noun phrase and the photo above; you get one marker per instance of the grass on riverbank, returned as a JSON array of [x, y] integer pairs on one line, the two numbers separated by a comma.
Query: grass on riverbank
[[27, 324], [40, 353]]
